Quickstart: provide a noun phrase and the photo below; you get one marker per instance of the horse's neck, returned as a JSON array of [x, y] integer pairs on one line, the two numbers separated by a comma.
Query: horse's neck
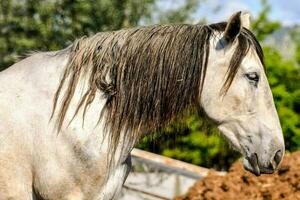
[[88, 130]]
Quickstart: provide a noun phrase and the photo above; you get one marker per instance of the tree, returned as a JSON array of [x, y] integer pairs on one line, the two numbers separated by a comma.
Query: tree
[[262, 26], [284, 79], [180, 14], [53, 24]]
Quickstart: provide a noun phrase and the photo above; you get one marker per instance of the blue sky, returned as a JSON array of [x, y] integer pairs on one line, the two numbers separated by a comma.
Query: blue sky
[[286, 11]]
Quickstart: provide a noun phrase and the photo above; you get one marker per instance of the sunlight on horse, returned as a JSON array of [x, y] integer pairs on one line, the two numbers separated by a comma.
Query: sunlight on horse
[[70, 118]]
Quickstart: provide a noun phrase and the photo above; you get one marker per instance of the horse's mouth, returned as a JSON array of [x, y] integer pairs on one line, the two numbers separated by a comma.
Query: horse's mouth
[[251, 164]]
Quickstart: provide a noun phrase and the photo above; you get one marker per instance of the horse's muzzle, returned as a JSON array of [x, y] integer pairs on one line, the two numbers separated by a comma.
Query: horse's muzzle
[[251, 164]]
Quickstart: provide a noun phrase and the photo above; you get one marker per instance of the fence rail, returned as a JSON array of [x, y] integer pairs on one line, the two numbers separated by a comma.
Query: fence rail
[[178, 177], [170, 165]]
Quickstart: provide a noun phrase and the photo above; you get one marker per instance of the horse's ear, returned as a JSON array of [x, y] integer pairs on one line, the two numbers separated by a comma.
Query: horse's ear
[[245, 17], [233, 28]]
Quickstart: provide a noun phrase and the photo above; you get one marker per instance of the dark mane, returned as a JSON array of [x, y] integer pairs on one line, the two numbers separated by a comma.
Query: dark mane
[[148, 75]]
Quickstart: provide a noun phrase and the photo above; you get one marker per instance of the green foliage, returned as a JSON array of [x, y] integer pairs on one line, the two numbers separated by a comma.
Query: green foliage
[[284, 79], [193, 140], [53, 24], [262, 26], [178, 15]]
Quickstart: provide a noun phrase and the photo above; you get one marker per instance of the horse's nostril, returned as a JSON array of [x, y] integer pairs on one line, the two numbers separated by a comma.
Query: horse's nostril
[[278, 157], [271, 166]]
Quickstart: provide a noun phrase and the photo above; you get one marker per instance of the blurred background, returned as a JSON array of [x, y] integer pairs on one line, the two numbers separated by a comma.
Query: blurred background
[[45, 25]]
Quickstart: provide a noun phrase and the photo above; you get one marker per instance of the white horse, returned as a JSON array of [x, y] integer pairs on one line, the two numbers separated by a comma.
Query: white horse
[[69, 119]]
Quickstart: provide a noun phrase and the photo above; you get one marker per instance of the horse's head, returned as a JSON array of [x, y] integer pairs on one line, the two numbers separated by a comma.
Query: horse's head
[[237, 96]]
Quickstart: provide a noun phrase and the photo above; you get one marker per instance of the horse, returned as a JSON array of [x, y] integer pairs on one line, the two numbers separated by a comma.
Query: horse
[[70, 118]]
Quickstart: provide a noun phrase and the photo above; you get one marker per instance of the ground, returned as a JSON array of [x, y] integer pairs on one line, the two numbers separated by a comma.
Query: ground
[[238, 184]]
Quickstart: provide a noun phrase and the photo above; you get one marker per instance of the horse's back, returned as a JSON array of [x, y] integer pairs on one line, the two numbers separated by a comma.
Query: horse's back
[[27, 88]]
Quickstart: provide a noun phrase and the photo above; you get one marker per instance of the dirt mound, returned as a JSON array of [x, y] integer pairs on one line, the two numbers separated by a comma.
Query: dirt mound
[[238, 184]]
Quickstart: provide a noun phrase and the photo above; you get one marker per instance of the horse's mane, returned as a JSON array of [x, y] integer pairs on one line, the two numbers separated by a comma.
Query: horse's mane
[[148, 75]]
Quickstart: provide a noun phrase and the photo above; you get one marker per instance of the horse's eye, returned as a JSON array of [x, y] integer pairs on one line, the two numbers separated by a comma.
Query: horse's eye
[[253, 77]]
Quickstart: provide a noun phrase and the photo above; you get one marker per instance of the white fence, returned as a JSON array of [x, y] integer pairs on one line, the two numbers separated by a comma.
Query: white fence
[[155, 177]]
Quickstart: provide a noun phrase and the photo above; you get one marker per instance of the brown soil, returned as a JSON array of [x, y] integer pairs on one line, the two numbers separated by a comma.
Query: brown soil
[[238, 184]]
